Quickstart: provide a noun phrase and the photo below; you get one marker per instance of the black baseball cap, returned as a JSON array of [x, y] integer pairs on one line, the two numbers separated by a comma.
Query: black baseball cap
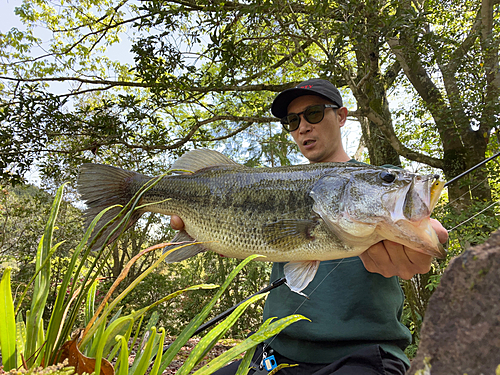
[[316, 86]]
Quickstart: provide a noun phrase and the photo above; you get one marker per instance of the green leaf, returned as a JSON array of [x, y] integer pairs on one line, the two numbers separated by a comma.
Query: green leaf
[[109, 339], [156, 365], [111, 331], [122, 363], [246, 361], [211, 338], [7, 323], [146, 355], [42, 283], [20, 337], [153, 320], [90, 302], [196, 322], [137, 331], [259, 336]]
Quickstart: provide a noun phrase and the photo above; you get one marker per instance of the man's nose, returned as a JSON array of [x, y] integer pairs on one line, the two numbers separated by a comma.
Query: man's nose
[[304, 125]]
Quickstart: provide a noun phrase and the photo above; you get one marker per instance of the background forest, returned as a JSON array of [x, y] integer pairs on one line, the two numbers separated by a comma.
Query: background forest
[[136, 84]]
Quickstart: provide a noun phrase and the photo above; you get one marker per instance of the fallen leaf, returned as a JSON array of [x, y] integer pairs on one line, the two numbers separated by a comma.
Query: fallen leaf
[[81, 363]]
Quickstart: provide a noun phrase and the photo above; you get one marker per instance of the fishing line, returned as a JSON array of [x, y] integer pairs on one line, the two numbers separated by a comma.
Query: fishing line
[[480, 212], [449, 182], [310, 294], [467, 192]]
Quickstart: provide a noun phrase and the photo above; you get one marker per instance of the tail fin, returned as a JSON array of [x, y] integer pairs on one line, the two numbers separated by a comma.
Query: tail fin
[[103, 186]]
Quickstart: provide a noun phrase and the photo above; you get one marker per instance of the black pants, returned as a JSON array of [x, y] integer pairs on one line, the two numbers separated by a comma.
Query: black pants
[[372, 360]]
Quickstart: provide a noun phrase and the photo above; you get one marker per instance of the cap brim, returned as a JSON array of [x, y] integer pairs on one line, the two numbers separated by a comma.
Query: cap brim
[[280, 105]]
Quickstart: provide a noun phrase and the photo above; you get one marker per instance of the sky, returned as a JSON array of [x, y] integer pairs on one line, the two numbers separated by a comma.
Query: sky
[[7, 17]]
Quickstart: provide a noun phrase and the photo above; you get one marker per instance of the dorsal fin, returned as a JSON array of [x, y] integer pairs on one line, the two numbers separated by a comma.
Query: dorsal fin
[[195, 160]]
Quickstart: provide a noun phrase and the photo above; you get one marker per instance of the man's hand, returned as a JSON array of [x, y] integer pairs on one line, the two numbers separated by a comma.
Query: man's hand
[[392, 259]]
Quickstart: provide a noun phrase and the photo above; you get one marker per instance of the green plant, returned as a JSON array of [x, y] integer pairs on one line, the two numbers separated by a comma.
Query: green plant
[[28, 343]]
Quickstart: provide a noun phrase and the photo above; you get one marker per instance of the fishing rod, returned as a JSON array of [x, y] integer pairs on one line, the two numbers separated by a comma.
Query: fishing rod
[[282, 280], [221, 316], [224, 314], [471, 169]]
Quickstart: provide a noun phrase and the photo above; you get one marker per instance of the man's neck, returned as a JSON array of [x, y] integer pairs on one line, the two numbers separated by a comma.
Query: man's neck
[[336, 158]]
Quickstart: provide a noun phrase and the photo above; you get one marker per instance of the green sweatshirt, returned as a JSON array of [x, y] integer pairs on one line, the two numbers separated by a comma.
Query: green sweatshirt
[[349, 308]]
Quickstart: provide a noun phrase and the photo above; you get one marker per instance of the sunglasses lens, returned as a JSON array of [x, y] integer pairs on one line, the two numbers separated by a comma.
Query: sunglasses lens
[[290, 122], [314, 114]]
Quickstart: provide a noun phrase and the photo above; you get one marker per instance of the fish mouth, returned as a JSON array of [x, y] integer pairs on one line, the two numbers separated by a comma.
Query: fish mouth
[[411, 216], [421, 197], [420, 237]]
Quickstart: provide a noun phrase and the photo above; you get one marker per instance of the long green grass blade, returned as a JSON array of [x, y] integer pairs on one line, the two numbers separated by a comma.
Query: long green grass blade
[[37, 271], [156, 365], [153, 320], [89, 312], [137, 331], [195, 323], [146, 355], [110, 340], [117, 346], [211, 338], [122, 363], [119, 330], [92, 345], [40, 342], [7, 323], [20, 337], [110, 332], [90, 302], [42, 281], [259, 336], [245, 363]]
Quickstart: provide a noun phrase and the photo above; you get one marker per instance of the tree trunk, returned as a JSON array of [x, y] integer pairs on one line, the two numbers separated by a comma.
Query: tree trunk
[[379, 149], [371, 95]]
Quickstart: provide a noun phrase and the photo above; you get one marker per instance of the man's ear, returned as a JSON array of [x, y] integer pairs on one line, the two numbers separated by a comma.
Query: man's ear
[[342, 115]]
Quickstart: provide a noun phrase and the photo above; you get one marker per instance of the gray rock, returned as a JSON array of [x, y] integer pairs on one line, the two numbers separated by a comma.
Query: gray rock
[[461, 331]]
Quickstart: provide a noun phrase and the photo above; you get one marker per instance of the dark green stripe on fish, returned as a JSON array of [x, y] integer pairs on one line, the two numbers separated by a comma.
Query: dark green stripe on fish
[[299, 214]]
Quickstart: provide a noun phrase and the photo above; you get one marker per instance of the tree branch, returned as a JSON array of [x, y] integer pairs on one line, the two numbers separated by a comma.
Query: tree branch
[[71, 47], [457, 56], [392, 73], [400, 148]]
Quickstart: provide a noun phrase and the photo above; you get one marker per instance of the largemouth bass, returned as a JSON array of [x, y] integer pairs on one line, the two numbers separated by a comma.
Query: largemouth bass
[[300, 214]]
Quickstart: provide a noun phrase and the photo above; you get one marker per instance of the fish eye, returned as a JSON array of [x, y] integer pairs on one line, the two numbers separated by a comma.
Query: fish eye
[[387, 176]]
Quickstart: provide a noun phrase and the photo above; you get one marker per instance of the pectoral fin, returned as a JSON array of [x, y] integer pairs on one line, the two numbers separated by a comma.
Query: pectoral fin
[[300, 274], [289, 232], [182, 238]]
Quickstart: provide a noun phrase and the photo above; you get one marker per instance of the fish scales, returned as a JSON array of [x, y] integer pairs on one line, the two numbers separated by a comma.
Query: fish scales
[[300, 214], [232, 206]]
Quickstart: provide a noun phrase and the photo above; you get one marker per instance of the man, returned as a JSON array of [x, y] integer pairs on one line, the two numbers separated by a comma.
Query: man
[[354, 304]]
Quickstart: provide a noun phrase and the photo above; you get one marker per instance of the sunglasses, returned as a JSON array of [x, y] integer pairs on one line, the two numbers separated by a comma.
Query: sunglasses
[[312, 114]]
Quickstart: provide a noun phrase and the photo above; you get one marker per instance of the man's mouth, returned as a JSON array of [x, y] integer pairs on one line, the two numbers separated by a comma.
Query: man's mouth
[[308, 142]]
